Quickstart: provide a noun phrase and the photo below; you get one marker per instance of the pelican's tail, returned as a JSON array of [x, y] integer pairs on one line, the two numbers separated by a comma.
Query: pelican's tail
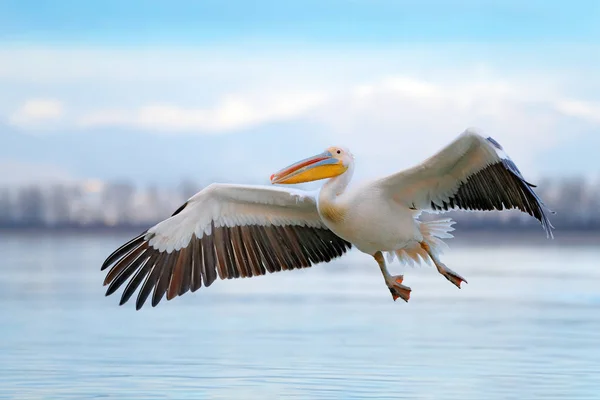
[[433, 232]]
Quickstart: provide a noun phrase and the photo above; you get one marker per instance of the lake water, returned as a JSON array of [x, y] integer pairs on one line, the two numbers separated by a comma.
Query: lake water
[[526, 326]]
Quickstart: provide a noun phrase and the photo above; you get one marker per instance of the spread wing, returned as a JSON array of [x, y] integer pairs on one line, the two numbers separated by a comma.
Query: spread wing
[[229, 231], [471, 173]]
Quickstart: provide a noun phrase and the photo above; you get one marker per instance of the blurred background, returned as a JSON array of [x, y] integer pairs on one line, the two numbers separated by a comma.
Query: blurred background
[[113, 113]]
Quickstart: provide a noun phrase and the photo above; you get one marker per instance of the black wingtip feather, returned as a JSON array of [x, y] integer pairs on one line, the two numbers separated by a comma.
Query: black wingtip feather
[[496, 187], [180, 209], [150, 280], [115, 255], [257, 250], [540, 208], [495, 143], [134, 283]]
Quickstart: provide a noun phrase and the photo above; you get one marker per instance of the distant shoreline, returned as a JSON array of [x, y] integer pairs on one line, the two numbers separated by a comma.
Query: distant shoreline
[[464, 234]]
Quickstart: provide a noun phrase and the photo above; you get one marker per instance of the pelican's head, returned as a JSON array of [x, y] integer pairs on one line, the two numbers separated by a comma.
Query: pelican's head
[[331, 163]]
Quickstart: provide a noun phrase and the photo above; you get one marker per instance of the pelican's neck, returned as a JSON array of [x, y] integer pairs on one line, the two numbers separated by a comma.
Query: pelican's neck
[[334, 187]]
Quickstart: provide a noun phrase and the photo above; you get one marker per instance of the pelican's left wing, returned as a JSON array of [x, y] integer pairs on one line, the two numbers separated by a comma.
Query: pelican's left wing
[[471, 173], [233, 231]]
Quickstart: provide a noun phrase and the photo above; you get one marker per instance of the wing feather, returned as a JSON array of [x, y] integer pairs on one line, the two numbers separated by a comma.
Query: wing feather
[[471, 173], [176, 277], [133, 284], [186, 253], [225, 231], [164, 277]]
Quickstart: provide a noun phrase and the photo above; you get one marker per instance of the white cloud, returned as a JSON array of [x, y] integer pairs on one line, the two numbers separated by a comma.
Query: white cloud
[[37, 111], [406, 120], [580, 109], [231, 113], [391, 106], [400, 118]]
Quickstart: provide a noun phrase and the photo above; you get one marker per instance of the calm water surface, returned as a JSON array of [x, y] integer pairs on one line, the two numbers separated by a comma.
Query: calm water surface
[[526, 326]]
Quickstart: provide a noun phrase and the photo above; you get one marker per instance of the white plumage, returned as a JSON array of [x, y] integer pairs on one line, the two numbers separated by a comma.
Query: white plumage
[[431, 184], [228, 205], [246, 230]]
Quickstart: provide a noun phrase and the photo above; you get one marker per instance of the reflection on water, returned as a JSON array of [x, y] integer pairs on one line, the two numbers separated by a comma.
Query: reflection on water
[[526, 326]]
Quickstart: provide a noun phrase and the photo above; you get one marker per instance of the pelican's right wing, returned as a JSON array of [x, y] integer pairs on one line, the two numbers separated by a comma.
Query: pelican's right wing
[[233, 231]]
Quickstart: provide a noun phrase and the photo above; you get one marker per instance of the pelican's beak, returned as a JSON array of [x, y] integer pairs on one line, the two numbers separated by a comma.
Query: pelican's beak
[[321, 166]]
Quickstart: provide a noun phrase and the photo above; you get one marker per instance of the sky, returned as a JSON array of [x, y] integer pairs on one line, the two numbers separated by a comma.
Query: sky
[[156, 91]]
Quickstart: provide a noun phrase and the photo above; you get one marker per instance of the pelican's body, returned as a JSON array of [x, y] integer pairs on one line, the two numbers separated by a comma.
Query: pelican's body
[[362, 217], [233, 231]]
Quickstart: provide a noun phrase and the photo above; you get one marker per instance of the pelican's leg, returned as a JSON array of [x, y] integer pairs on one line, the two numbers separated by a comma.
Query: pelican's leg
[[393, 282], [452, 276]]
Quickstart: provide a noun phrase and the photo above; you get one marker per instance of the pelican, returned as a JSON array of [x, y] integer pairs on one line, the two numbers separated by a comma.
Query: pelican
[[239, 231]]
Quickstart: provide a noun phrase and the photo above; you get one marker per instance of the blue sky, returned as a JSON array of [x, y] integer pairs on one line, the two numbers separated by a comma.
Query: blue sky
[[381, 21], [392, 80]]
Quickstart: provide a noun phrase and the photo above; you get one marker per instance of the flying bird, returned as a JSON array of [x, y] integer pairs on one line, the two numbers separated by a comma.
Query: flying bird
[[239, 231]]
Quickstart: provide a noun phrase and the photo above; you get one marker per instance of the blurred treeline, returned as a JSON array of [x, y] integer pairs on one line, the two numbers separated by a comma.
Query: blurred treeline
[[93, 204]]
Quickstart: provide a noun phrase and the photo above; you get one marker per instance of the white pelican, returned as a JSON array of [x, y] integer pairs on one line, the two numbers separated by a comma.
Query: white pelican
[[238, 231]]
